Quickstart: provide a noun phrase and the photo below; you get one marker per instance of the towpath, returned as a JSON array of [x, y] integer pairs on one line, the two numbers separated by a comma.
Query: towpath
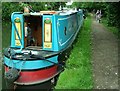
[[104, 57]]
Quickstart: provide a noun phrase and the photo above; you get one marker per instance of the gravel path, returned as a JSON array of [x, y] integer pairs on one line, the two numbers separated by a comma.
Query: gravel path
[[104, 57]]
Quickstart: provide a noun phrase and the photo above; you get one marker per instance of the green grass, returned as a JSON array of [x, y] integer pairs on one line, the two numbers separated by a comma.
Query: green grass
[[6, 34], [78, 73], [112, 29]]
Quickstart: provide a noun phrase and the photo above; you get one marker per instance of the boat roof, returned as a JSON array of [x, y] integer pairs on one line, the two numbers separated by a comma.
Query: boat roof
[[63, 12]]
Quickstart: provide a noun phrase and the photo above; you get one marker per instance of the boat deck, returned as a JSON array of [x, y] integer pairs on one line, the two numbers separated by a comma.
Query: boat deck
[[38, 52], [34, 47]]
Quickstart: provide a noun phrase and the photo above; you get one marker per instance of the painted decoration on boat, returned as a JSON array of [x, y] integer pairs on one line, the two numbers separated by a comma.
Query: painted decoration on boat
[[18, 26], [48, 33]]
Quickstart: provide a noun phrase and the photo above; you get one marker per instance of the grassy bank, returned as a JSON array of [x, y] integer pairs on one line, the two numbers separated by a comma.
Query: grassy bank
[[112, 29], [78, 74]]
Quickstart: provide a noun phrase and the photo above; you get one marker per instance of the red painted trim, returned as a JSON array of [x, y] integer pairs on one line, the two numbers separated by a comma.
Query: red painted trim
[[35, 76]]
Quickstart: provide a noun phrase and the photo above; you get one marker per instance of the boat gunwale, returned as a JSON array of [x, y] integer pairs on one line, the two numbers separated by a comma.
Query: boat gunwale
[[47, 67]]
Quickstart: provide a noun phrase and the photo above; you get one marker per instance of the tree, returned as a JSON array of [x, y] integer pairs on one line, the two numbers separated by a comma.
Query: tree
[[113, 14], [109, 10], [9, 7]]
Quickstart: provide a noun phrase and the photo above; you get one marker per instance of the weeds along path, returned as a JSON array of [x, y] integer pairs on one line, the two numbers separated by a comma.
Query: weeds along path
[[104, 57]]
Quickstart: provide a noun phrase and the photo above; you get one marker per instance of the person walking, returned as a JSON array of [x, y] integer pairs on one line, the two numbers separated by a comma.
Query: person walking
[[98, 16]]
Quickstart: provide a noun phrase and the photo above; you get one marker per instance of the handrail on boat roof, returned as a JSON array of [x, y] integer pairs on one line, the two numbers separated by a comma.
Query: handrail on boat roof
[[50, 13], [40, 13]]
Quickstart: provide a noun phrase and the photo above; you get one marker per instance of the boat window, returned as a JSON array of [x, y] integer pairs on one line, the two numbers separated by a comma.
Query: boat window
[[65, 30]]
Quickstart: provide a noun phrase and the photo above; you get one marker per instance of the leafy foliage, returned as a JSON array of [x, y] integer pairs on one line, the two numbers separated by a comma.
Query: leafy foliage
[[113, 14], [110, 10], [9, 7]]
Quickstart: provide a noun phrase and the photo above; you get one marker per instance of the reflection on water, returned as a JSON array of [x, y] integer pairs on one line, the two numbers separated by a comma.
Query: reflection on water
[[4, 42], [3, 84], [1, 70], [0, 45], [0, 75]]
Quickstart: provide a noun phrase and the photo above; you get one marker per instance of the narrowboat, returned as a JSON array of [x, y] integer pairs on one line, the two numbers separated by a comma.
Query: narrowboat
[[40, 43]]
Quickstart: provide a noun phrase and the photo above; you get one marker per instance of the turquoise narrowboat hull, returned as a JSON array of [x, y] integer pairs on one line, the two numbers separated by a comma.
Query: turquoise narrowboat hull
[[43, 60]]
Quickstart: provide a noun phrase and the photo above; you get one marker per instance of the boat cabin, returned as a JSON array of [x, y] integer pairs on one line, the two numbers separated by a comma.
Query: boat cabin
[[45, 30]]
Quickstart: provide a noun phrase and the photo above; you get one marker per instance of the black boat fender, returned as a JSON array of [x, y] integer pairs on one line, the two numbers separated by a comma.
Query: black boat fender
[[12, 75]]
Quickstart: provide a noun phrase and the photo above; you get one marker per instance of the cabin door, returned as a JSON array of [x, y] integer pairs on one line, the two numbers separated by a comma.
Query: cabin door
[[33, 31]]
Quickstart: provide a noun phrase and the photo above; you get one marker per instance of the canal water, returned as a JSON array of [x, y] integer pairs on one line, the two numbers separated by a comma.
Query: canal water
[[0, 51], [0, 70]]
